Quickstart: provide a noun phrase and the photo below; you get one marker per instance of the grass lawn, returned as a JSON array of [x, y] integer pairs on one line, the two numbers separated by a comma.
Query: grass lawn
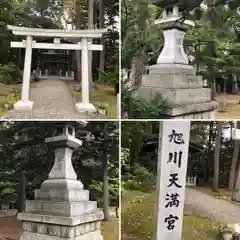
[[139, 220], [104, 96], [110, 229], [5, 92]]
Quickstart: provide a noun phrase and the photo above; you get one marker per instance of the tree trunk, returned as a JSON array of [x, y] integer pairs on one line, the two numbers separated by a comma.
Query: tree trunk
[[216, 156], [105, 180], [90, 26], [235, 85], [22, 192], [207, 162], [232, 175], [102, 41], [214, 90]]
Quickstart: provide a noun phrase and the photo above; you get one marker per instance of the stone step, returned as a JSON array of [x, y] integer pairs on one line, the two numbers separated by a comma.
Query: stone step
[[61, 220], [60, 208], [61, 195], [169, 69], [176, 96], [172, 81], [193, 111]]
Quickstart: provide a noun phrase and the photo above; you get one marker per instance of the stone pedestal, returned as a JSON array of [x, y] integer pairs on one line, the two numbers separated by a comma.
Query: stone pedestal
[[183, 90], [61, 212], [61, 209], [22, 105], [82, 107]]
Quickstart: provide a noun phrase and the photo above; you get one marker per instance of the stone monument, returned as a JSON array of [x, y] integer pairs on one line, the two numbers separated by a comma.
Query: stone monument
[[172, 76], [61, 209], [171, 178]]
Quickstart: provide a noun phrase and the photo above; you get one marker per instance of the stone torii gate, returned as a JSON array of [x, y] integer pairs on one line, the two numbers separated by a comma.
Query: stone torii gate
[[25, 103]]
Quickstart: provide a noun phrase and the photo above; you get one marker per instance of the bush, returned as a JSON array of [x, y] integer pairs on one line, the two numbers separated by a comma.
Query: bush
[[97, 192], [141, 180], [139, 108], [9, 73], [109, 77]]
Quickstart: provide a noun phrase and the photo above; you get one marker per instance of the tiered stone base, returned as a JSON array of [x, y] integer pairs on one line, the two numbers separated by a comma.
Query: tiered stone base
[[183, 90], [48, 227], [61, 211]]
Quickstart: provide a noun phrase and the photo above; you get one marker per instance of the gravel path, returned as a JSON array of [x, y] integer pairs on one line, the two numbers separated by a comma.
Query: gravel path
[[212, 207], [52, 100]]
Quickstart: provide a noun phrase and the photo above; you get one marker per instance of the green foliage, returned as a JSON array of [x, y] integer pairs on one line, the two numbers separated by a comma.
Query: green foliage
[[141, 180], [140, 108], [23, 149], [9, 73], [7, 192], [49, 14], [97, 191], [138, 30], [110, 76]]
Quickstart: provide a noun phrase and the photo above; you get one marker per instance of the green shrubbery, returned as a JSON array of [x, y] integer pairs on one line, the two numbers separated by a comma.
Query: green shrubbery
[[140, 179], [139, 108], [109, 77], [97, 191], [9, 73]]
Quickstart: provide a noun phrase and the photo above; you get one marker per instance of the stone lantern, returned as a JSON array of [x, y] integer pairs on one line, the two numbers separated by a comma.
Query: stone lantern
[[173, 30], [172, 77], [61, 209]]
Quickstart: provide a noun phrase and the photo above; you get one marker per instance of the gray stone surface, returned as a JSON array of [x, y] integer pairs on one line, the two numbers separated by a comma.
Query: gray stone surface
[[61, 220], [172, 81], [68, 209], [63, 194], [177, 96], [172, 69], [183, 90], [95, 235], [61, 209], [52, 100]]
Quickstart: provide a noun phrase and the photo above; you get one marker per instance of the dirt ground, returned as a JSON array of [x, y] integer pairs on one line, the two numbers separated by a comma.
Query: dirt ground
[[232, 106], [10, 228]]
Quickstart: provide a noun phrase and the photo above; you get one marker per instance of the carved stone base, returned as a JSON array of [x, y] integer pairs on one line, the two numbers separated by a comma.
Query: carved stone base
[[61, 211], [49, 227], [183, 90]]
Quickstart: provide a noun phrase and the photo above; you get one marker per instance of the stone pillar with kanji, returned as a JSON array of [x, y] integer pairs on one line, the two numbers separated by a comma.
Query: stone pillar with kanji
[[62, 209]]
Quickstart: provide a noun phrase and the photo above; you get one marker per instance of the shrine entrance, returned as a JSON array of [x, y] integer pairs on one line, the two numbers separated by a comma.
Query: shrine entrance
[[49, 63], [53, 63]]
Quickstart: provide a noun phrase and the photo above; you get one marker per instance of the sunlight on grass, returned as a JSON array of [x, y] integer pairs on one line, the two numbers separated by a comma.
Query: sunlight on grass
[[139, 220], [110, 229], [103, 97], [8, 95]]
